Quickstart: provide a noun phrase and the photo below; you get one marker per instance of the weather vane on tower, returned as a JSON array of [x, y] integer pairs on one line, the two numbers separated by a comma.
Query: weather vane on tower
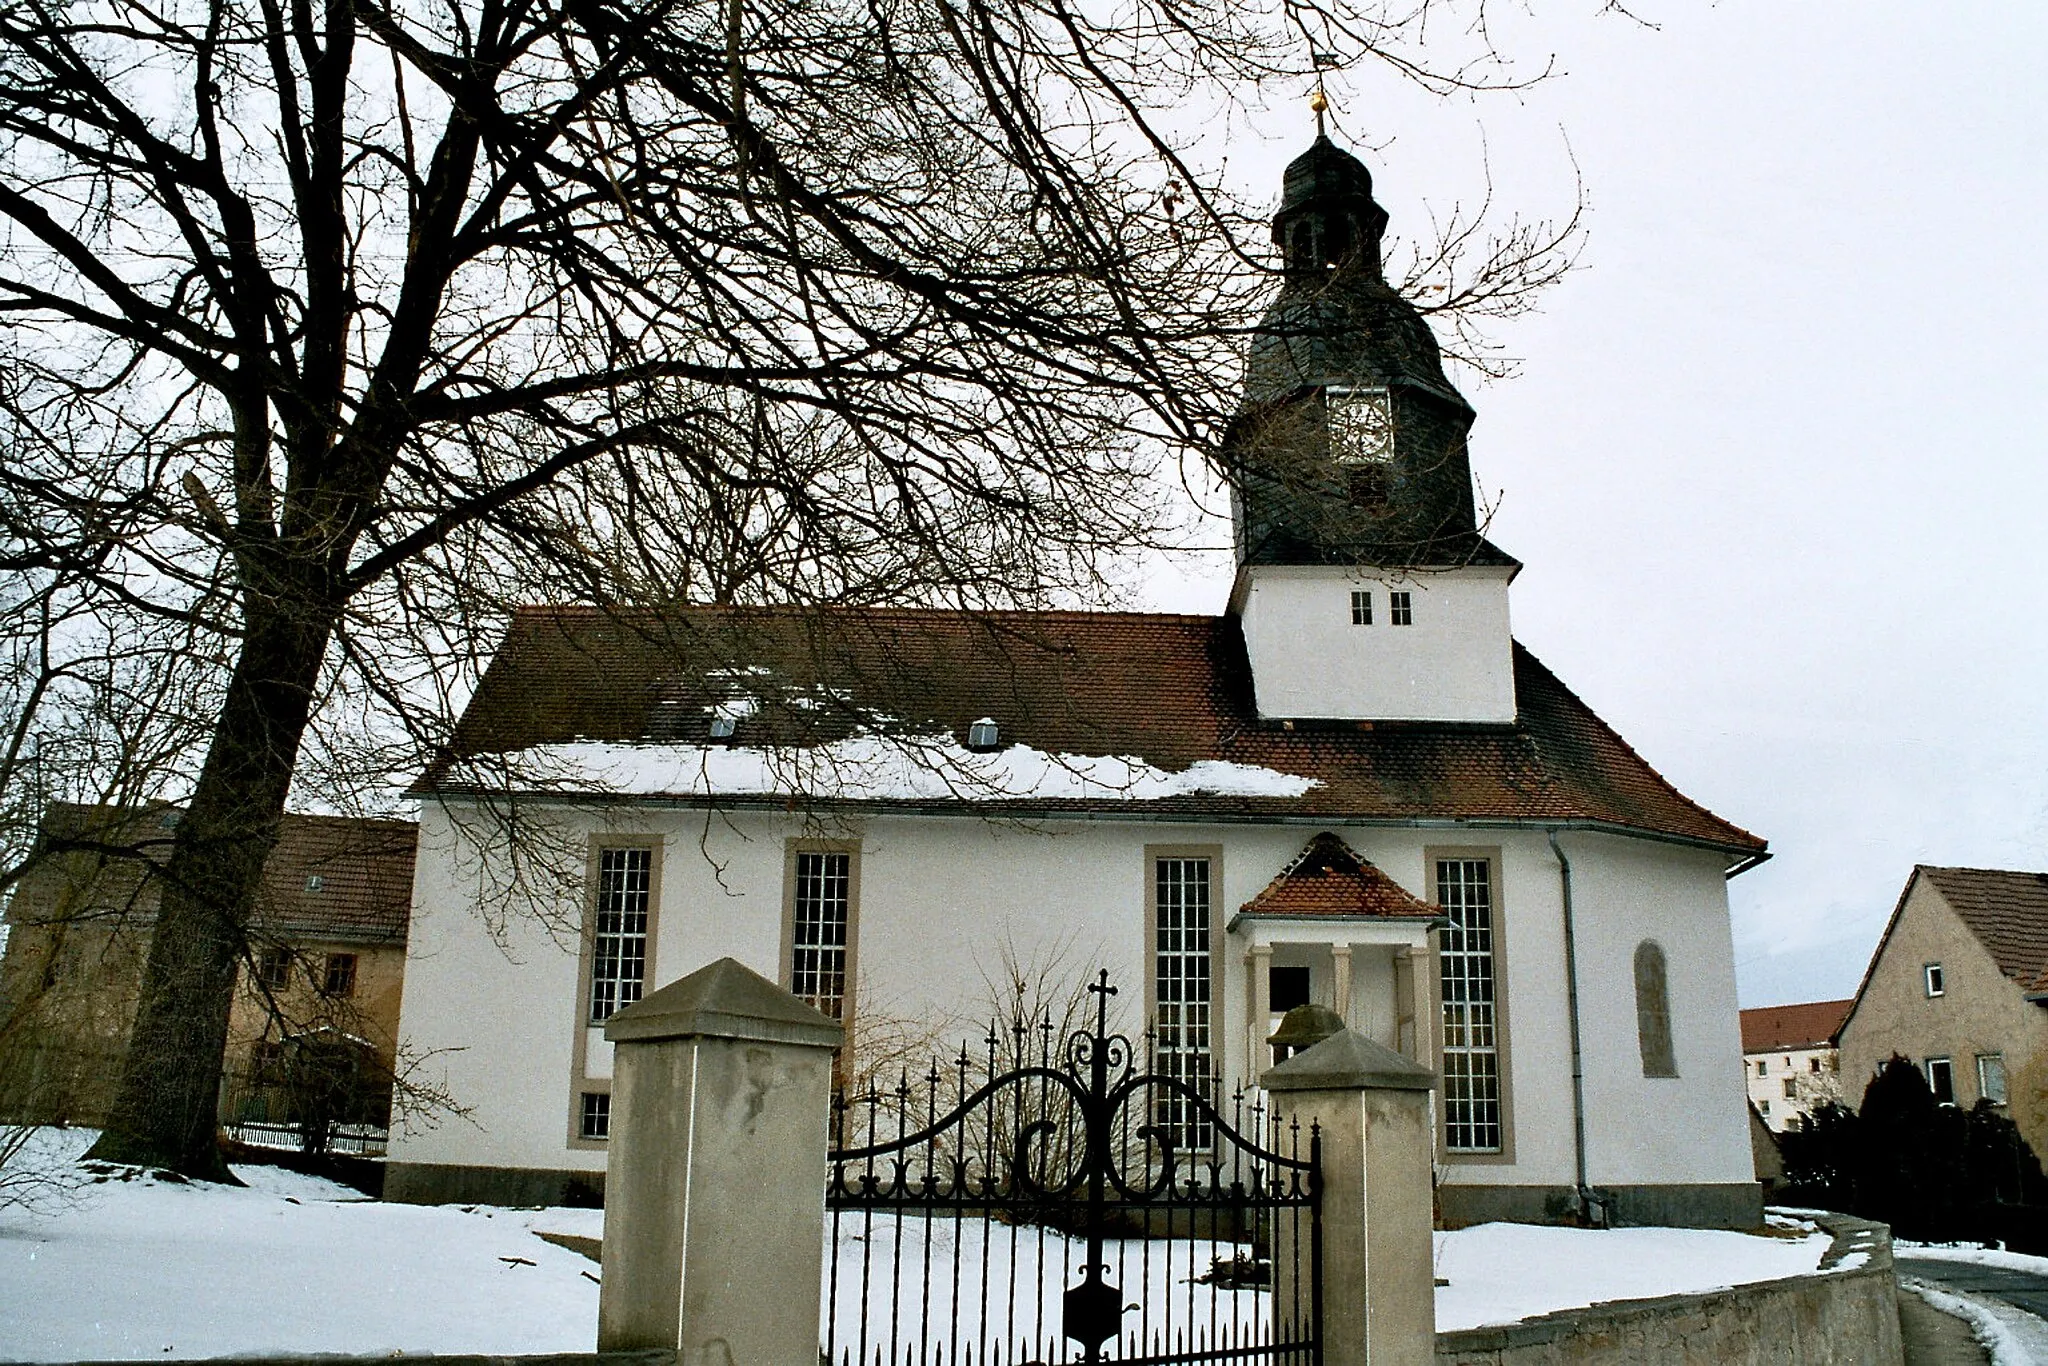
[[1319, 99]]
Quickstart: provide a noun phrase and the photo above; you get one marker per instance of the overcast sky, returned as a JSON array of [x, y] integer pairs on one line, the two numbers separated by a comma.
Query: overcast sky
[[1774, 459]]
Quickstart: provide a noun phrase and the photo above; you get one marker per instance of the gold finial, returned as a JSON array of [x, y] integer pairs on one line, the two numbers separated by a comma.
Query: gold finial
[[1319, 102]]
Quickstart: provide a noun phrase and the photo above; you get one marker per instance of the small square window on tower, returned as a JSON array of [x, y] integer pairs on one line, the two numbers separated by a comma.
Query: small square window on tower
[[1361, 607], [1401, 608]]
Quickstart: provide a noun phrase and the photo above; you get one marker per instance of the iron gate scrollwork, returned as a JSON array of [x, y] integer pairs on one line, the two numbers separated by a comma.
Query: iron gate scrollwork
[[1064, 1204]]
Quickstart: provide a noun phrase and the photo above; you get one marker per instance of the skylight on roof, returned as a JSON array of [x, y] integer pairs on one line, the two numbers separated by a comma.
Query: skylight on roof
[[982, 734]]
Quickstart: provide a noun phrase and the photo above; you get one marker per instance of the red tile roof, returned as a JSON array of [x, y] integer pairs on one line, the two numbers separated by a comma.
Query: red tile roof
[[1170, 690], [2006, 910], [1328, 878], [363, 868], [1776, 1029]]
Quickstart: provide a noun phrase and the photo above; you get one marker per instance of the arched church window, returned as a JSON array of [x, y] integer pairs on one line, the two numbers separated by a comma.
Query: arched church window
[[1653, 1012]]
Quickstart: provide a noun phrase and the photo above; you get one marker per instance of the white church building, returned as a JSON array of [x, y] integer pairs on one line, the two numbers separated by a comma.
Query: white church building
[[1354, 788]]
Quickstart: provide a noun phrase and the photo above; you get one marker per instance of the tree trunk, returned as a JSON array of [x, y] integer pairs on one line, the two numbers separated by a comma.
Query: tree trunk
[[166, 1111]]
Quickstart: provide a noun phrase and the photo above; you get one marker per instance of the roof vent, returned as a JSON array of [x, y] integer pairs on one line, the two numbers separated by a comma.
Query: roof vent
[[982, 734], [723, 725]]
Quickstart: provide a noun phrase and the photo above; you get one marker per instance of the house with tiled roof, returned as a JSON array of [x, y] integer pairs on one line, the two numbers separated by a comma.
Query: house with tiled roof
[[319, 982], [1352, 788], [1958, 984], [1790, 1059]]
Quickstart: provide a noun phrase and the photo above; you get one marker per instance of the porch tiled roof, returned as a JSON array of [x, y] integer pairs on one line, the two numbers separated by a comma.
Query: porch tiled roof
[[1328, 878], [1171, 691]]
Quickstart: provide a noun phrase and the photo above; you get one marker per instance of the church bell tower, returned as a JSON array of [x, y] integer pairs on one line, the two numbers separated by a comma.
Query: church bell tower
[[1365, 586]]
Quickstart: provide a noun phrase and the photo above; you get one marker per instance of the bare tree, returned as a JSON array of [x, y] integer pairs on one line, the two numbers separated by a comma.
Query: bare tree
[[332, 327]]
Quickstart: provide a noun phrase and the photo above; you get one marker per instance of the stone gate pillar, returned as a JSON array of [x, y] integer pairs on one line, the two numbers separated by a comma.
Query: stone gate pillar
[[1379, 1278], [715, 1182]]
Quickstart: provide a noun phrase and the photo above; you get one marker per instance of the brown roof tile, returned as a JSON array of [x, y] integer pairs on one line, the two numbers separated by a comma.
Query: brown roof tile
[[1170, 690], [1809, 1024], [2007, 911], [328, 878], [1328, 878]]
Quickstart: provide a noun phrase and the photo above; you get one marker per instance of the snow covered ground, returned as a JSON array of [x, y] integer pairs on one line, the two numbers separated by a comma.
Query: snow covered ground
[[148, 1268], [1501, 1273], [134, 1266]]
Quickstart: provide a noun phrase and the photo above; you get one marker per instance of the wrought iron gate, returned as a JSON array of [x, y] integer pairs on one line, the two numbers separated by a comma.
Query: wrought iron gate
[[1071, 1207]]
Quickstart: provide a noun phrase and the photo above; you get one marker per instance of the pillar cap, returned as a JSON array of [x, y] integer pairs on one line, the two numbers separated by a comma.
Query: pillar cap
[[726, 1000], [1348, 1061]]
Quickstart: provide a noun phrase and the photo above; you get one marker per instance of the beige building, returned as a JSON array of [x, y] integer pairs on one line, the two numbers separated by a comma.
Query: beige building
[[316, 1005], [1790, 1060], [1958, 985]]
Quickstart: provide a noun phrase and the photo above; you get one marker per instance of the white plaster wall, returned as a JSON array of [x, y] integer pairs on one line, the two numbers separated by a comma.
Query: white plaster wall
[[1454, 663], [493, 1024], [1651, 1130], [939, 899]]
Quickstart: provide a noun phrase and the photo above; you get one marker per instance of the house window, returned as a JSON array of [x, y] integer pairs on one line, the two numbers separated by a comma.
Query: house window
[[1813, 1064], [1941, 1079], [274, 968], [1935, 984], [1471, 1043], [1653, 1012], [1763, 1066], [1181, 987], [1361, 607], [1791, 1088], [1991, 1077], [822, 912], [316, 883], [618, 957], [1400, 609], [596, 1123], [340, 977], [1763, 1107]]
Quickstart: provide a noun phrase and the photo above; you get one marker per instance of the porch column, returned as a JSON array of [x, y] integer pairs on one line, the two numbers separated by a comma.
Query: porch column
[[715, 1182], [1378, 1274], [1340, 975], [1259, 958], [1415, 1003]]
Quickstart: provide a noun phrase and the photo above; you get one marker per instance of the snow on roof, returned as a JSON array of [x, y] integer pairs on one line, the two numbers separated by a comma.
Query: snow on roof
[[882, 768]]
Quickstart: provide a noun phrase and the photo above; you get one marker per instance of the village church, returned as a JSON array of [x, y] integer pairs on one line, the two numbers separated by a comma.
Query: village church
[[1353, 788]]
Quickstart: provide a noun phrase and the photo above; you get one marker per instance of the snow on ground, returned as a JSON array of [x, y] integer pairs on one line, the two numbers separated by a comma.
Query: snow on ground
[[2010, 1337], [1978, 1256], [874, 768], [1012, 1280], [1501, 1273], [137, 1266], [143, 1267]]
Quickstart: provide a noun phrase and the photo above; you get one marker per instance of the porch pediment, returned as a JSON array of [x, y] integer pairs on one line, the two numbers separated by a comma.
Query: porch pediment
[[1329, 881]]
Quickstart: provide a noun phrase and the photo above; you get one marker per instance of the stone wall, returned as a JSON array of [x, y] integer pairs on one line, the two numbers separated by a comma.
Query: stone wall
[[1834, 1318]]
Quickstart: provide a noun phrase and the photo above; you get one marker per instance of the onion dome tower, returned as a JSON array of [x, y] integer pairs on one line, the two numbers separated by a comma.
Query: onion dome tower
[[1365, 586]]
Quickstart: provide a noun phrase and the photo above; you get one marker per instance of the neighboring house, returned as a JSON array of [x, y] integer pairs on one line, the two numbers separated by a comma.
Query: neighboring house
[[1788, 1053], [1354, 788], [316, 1004], [1959, 985]]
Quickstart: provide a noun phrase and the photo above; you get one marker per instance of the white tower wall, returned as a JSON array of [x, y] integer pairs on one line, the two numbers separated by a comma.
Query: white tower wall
[[1454, 662]]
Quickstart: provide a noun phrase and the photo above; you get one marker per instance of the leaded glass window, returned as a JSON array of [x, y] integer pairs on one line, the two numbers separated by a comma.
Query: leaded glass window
[[823, 911], [1182, 982], [1471, 1037], [618, 957]]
